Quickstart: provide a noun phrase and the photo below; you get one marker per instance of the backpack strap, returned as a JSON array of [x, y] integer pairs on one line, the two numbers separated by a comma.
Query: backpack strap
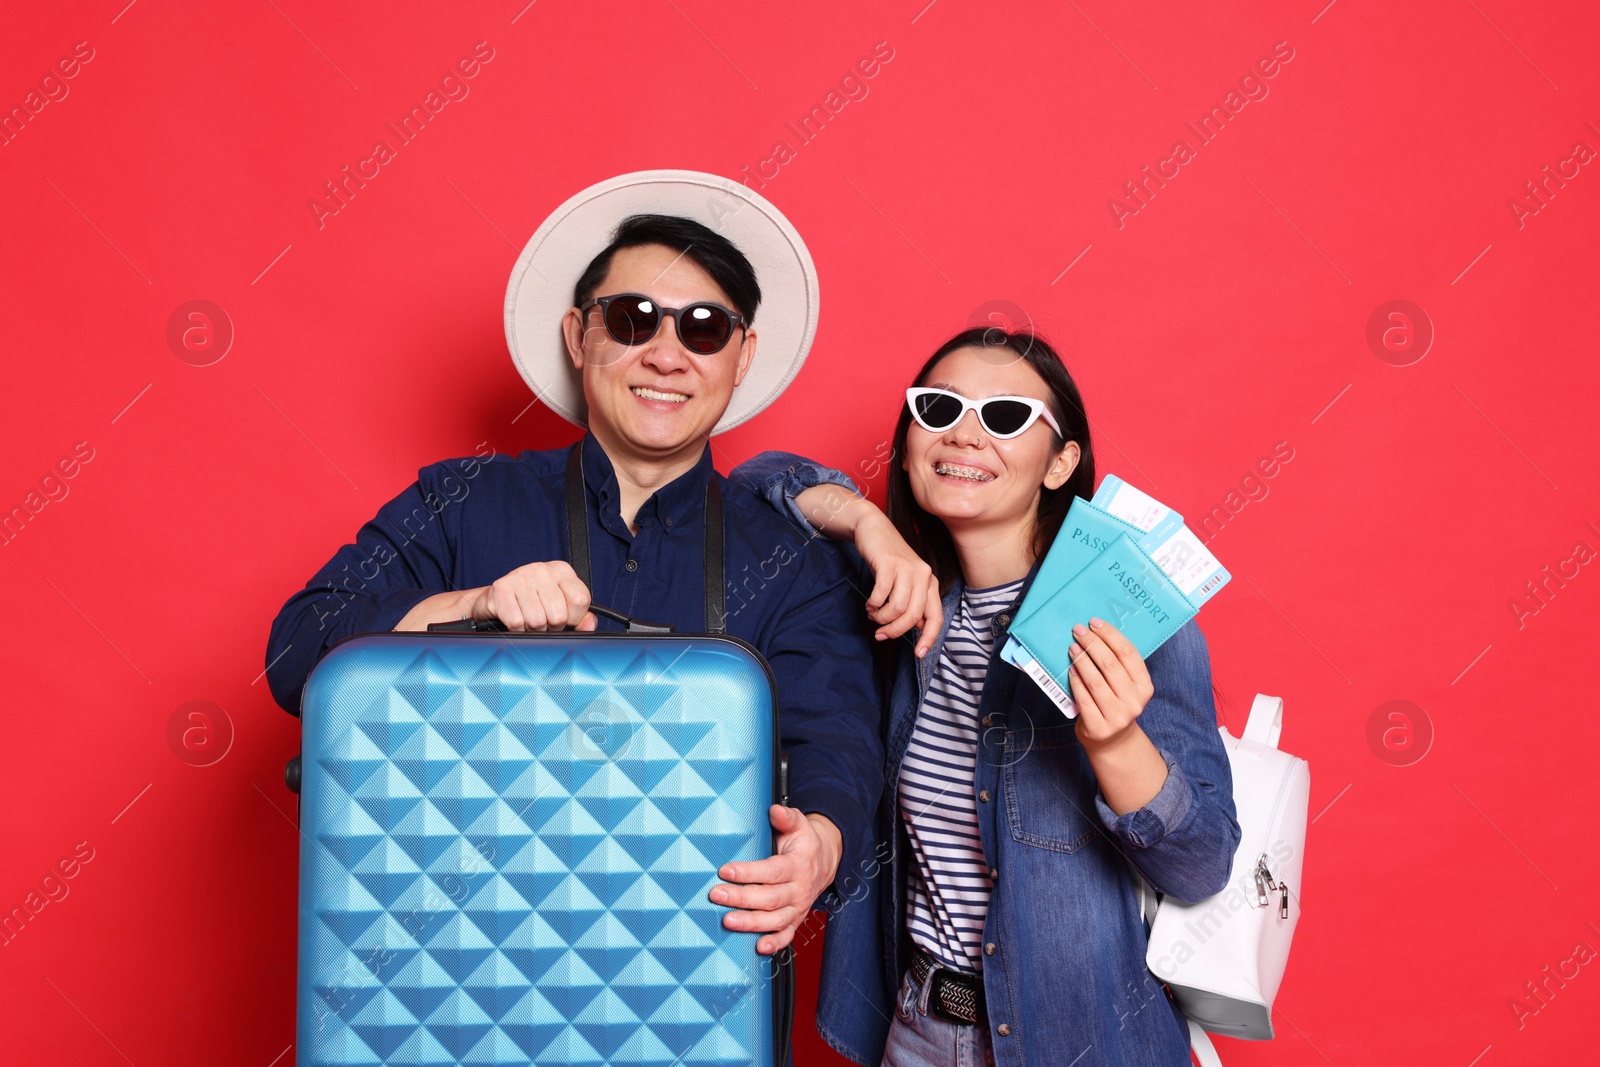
[[1266, 721], [1200, 1043], [1148, 898]]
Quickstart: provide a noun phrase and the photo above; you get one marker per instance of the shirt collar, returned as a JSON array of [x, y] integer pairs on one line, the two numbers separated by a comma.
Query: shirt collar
[[676, 501]]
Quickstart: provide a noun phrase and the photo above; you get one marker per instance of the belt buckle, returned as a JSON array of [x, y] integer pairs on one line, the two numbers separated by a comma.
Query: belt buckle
[[937, 984]]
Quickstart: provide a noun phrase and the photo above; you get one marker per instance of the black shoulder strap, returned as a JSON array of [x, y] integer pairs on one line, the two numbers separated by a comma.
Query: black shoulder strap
[[577, 516], [716, 619], [578, 539]]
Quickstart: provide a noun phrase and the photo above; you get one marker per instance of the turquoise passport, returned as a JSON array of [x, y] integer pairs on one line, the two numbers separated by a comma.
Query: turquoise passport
[[1086, 532], [1120, 584]]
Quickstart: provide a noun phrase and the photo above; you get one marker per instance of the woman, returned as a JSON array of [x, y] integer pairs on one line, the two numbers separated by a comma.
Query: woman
[[1006, 911]]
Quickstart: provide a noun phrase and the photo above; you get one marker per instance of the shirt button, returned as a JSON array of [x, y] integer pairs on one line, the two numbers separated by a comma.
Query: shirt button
[[988, 720], [1004, 1029], [988, 950], [667, 521], [633, 565], [983, 795], [994, 875]]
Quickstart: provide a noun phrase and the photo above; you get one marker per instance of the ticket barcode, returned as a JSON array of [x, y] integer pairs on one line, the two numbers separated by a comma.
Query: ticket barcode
[[1058, 696]]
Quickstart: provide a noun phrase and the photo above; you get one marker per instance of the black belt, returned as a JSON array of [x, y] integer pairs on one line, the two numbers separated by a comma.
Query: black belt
[[954, 996]]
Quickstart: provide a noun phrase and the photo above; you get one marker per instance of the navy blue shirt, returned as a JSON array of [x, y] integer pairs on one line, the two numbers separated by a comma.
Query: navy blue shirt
[[466, 522]]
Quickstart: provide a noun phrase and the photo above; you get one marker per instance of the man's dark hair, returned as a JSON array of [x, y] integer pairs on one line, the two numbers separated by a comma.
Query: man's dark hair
[[715, 254], [926, 533]]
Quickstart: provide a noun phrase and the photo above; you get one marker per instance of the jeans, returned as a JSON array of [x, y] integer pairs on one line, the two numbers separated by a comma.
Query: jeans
[[919, 1038]]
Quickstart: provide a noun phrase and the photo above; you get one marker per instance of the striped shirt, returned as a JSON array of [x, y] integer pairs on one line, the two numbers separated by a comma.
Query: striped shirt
[[950, 884]]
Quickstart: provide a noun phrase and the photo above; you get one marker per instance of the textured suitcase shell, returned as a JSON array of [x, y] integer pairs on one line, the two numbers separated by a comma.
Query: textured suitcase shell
[[507, 842]]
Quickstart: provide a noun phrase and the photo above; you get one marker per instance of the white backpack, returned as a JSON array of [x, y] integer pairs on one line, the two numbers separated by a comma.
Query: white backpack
[[1224, 957]]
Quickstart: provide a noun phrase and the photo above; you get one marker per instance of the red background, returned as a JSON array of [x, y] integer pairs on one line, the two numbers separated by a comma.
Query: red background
[[1228, 315]]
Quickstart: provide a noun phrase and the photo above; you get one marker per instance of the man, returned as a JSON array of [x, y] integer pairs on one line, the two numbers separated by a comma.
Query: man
[[656, 351]]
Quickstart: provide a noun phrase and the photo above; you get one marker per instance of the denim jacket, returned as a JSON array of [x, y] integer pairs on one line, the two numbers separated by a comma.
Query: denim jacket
[[1064, 979]]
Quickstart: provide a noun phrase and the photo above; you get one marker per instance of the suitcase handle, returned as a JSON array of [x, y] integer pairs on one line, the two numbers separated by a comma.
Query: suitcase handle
[[291, 771], [635, 626]]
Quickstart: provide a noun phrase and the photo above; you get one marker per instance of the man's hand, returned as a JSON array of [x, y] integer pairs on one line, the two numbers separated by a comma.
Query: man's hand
[[537, 596], [776, 894]]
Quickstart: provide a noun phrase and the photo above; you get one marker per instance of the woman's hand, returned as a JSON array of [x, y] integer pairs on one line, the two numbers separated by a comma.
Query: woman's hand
[[1111, 685], [905, 593]]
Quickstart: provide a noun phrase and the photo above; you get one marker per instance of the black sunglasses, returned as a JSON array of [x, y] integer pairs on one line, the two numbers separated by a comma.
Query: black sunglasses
[[632, 319]]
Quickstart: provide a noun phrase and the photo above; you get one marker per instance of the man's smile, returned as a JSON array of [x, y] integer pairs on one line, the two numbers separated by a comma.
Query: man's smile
[[646, 393]]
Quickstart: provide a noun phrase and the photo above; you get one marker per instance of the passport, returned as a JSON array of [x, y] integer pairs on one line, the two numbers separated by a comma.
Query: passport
[[1086, 532], [1142, 570]]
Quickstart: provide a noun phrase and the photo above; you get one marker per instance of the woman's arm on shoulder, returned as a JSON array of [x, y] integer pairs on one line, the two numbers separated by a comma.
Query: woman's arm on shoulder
[[821, 499], [813, 495]]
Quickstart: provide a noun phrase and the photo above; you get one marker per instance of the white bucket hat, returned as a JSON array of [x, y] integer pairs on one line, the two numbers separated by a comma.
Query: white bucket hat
[[563, 246]]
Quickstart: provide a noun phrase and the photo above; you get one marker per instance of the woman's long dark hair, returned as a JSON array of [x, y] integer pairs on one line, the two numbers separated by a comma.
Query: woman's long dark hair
[[926, 533]]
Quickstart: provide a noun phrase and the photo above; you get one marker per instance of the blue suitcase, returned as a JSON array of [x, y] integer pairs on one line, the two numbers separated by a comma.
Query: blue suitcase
[[508, 840]]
